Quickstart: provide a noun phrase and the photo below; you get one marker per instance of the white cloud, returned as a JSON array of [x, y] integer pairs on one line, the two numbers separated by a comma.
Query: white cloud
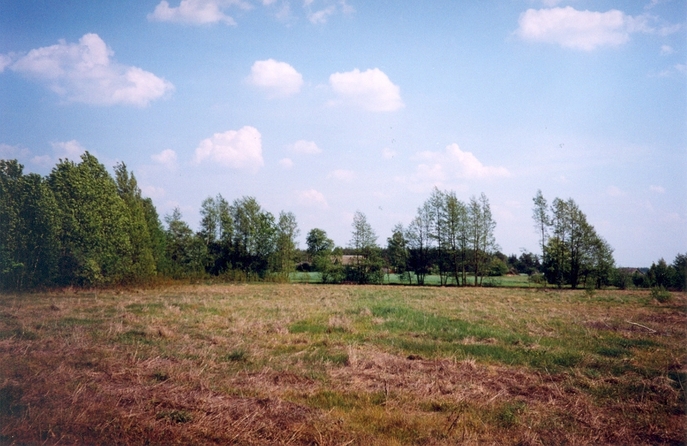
[[321, 16], [342, 175], [84, 72], [581, 30], [453, 162], [312, 198], [167, 158], [10, 152], [69, 149], [279, 79], [237, 149], [667, 49], [5, 61], [196, 12], [388, 153], [371, 90], [305, 147], [657, 189], [286, 163], [153, 192]]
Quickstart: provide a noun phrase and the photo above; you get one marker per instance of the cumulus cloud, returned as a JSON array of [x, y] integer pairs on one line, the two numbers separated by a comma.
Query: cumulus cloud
[[304, 147], [312, 198], [453, 162], [196, 12], [84, 72], [236, 149], [371, 90], [321, 16], [657, 189], [167, 158], [580, 30], [278, 79], [286, 163], [342, 175]]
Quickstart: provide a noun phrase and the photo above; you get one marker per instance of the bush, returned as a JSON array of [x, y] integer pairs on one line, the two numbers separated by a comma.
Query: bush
[[660, 294]]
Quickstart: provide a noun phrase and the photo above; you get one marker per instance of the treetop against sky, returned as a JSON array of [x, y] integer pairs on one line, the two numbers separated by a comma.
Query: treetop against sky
[[326, 107]]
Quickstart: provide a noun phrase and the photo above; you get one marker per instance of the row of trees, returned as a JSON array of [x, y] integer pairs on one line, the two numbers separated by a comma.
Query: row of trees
[[241, 238], [77, 226], [447, 236], [81, 226]]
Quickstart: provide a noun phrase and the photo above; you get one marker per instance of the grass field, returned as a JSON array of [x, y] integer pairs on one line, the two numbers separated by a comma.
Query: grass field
[[317, 364]]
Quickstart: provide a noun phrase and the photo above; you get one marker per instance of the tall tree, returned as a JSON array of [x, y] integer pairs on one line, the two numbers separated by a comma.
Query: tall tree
[[542, 221], [455, 242], [286, 245], [143, 265], [419, 243], [94, 233], [186, 251], [28, 229], [481, 239], [368, 260], [397, 252], [254, 236]]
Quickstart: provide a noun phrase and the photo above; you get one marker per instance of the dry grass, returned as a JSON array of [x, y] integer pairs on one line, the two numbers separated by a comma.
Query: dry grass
[[328, 365]]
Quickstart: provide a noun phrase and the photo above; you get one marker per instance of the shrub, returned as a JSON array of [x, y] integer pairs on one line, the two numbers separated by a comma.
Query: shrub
[[660, 294]]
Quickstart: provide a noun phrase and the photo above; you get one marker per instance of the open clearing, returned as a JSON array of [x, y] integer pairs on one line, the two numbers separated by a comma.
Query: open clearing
[[317, 364]]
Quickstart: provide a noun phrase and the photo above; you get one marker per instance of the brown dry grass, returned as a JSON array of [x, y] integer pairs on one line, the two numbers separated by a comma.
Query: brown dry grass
[[303, 364]]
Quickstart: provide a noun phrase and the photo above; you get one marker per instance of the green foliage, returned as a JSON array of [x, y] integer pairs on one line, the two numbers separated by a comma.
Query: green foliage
[[95, 235], [29, 225], [660, 294]]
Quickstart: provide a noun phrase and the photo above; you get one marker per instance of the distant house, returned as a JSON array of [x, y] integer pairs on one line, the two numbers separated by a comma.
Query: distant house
[[631, 271], [350, 259]]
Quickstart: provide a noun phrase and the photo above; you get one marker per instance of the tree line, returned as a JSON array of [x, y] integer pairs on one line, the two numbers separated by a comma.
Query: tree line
[[81, 226]]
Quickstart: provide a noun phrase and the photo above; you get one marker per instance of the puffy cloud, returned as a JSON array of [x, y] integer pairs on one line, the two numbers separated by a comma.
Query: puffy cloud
[[237, 149], [657, 189], [84, 72], [197, 12], [286, 163], [453, 162], [305, 147], [312, 198], [371, 90], [342, 175], [279, 79], [167, 158], [581, 30]]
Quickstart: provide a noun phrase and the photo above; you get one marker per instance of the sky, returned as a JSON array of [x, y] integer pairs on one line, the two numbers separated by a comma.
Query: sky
[[327, 107]]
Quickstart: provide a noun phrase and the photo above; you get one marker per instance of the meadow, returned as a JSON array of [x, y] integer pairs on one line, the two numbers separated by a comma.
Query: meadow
[[342, 365]]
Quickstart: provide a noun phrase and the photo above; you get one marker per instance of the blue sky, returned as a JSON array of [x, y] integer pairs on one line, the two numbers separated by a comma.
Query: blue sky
[[325, 107]]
